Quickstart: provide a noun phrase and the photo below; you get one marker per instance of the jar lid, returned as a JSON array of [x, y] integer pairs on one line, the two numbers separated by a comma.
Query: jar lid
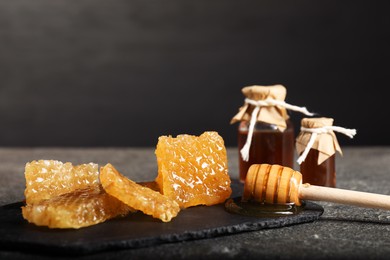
[[271, 114], [257, 92], [316, 122], [325, 141]]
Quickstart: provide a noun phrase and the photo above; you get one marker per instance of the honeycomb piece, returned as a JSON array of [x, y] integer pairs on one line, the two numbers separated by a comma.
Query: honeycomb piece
[[150, 184], [137, 196], [79, 208], [193, 170], [48, 178]]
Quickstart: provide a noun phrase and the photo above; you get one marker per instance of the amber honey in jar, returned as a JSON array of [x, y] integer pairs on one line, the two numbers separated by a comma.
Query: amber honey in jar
[[269, 145], [265, 132], [323, 174], [317, 145]]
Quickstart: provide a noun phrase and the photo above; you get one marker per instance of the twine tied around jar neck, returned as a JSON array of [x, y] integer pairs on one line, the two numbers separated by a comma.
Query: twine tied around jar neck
[[322, 130], [265, 103]]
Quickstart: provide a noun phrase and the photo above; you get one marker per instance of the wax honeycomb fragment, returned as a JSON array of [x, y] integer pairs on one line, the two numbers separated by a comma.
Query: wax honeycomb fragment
[[193, 170], [79, 208], [137, 196], [48, 178]]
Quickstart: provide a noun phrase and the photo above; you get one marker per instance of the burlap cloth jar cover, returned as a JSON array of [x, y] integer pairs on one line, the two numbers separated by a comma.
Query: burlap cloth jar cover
[[269, 112], [326, 143]]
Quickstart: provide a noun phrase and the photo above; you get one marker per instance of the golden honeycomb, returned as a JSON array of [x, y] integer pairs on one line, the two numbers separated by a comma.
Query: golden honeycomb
[[79, 208], [137, 196], [193, 170], [48, 178]]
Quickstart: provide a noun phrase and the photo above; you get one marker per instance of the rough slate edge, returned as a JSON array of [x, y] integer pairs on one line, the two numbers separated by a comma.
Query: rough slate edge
[[18, 240]]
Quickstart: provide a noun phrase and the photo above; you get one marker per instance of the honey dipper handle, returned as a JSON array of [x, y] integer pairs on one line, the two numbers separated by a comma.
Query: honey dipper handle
[[356, 198]]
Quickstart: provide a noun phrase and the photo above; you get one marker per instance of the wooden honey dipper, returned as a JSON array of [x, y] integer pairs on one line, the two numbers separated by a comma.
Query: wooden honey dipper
[[278, 184]]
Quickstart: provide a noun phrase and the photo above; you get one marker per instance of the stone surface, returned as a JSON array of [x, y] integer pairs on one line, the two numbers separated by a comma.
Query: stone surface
[[136, 230], [341, 232]]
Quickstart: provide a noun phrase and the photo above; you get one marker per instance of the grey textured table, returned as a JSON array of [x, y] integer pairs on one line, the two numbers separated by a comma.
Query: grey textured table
[[341, 232]]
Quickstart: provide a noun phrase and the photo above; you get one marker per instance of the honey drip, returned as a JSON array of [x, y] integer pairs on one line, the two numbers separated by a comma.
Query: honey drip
[[262, 210]]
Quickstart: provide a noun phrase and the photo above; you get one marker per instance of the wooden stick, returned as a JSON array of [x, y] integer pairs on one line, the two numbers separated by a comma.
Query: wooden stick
[[357, 198]]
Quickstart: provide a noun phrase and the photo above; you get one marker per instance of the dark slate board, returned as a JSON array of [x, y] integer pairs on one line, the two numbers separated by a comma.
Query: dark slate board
[[137, 230]]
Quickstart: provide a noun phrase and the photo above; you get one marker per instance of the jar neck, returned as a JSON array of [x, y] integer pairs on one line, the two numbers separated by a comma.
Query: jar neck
[[244, 126]]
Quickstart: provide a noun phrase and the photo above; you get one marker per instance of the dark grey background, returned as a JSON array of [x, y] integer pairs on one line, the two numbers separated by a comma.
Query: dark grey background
[[122, 73]]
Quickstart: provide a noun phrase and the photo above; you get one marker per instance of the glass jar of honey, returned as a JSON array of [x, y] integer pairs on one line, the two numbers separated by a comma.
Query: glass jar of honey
[[317, 145], [265, 132], [269, 145]]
